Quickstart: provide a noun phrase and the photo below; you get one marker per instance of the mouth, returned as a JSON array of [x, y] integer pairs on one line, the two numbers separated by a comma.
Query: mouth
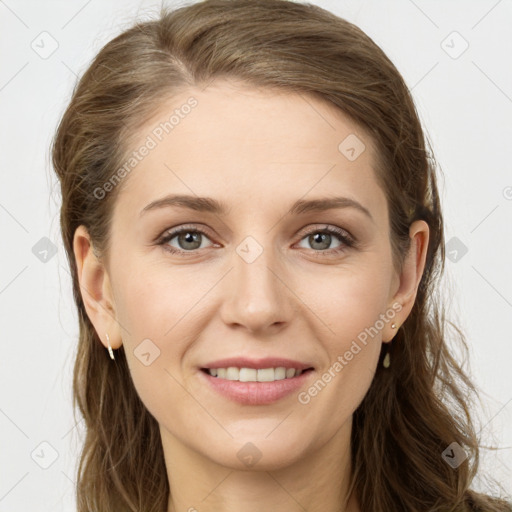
[[245, 374], [251, 382]]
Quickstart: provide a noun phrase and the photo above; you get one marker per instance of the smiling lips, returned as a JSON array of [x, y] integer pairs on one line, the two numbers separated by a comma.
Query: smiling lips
[[256, 382], [268, 369]]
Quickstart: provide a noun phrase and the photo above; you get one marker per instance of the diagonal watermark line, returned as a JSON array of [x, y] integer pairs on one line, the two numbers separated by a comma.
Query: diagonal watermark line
[[484, 218], [317, 112], [494, 288], [76, 14], [14, 486], [285, 490], [72, 428], [494, 416], [3, 3], [12, 280], [14, 424], [69, 478], [14, 76], [217, 486], [301, 300], [69, 69], [492, 81], [14, 218], [194, 305], [485, 15], [424, 14], [199, 403], [419, 81], [278, 424]]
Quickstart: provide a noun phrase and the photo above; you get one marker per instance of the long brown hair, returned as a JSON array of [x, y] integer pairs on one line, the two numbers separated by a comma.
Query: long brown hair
[[415, 409]]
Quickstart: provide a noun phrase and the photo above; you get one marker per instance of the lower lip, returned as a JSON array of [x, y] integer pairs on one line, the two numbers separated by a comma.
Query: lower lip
[[256, 393]]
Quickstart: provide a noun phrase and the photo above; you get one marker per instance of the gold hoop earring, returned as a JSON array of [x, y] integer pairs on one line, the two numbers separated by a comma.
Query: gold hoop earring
[[110, 351]]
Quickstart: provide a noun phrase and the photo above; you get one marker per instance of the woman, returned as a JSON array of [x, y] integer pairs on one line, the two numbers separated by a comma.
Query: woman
[[255, 237]]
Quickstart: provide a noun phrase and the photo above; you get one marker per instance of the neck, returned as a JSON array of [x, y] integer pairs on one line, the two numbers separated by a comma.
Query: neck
[[316, 482]]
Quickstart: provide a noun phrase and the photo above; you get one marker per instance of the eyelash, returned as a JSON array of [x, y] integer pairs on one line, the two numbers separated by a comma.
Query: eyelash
[[347, 240]]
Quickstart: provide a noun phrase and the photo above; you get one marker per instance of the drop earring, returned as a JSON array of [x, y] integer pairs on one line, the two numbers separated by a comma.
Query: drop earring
[[386, 362], [110, 351]]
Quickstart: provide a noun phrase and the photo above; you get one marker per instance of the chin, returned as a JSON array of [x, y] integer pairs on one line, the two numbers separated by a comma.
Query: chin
[[258, 454]]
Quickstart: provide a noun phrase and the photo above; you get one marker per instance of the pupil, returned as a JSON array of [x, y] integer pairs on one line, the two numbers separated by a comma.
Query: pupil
[[321, 237], [190, 238]]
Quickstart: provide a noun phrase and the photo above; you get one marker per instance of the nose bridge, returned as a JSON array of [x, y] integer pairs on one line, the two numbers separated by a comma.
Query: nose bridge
[[257, 293]]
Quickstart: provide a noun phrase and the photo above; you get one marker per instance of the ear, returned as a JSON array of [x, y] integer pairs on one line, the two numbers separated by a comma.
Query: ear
[[95, 289], [409, 279]]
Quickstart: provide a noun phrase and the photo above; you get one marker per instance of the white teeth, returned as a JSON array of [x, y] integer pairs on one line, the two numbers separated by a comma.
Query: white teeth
[[248, 375], [280, 373], [233, 373], [254, 375], [266, 375]]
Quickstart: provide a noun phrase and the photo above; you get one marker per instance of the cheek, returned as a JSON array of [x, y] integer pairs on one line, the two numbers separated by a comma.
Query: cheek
[[162, 314], [351, 308], [154, 302], [348, 301]]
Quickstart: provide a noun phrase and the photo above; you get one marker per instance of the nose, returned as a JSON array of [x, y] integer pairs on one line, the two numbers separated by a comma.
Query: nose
[[257, 296]]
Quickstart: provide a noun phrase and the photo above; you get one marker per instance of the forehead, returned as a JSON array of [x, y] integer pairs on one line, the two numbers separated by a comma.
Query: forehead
[[250, 148]]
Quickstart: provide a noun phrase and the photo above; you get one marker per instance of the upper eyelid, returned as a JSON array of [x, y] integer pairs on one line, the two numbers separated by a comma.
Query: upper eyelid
[[172, 232]]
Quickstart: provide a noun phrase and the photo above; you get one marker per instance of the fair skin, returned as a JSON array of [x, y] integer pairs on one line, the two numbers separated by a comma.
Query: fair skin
[[257, 151]]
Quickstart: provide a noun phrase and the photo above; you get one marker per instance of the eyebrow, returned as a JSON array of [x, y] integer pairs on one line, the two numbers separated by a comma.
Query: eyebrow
[[209, 205]]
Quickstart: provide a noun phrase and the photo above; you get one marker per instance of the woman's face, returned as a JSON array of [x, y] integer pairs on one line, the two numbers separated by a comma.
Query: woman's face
[[261, 277]]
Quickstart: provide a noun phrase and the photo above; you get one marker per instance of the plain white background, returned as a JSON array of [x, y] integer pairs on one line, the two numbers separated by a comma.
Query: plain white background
[[455, 57]]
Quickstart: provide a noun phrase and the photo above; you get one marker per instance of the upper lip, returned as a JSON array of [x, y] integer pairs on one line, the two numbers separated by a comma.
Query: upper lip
[[258, 364]]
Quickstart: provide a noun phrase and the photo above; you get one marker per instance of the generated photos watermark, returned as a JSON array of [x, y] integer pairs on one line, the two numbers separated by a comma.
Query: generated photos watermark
[[151, 142], [304, 397]]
